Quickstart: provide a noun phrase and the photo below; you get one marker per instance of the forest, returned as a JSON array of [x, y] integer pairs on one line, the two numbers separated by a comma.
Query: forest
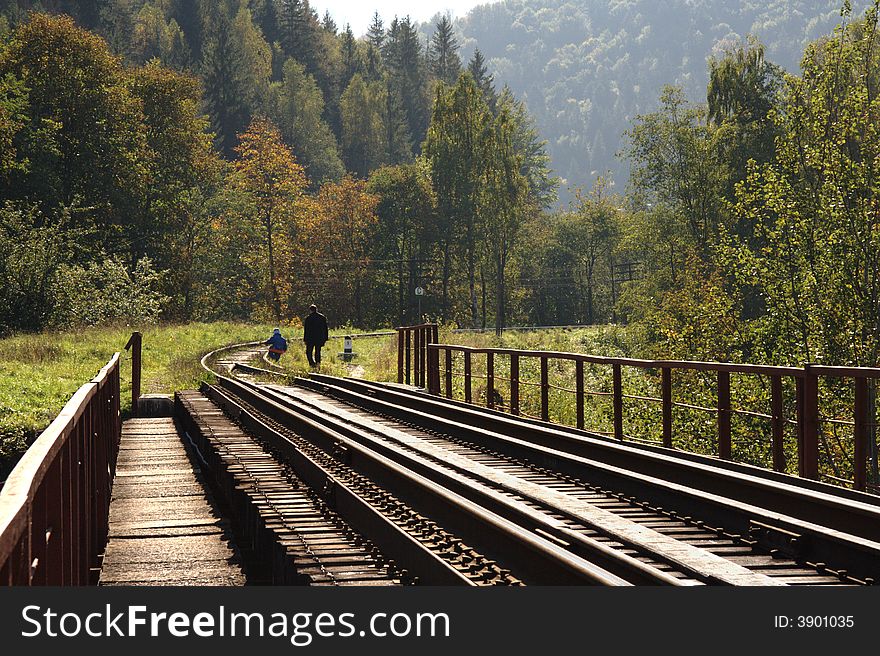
[[587, 68], [185, 161]]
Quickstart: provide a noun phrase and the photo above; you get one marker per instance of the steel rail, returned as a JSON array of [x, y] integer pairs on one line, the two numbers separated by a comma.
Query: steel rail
[[760, 485], [536, 558], [483, 488], [836, 528], [393, 542]]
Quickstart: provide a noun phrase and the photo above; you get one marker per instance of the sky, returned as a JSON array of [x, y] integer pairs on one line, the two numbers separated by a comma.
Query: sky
[[360, 12]]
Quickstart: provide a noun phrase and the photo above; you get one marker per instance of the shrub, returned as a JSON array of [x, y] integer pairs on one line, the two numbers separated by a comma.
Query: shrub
[[106, 292]]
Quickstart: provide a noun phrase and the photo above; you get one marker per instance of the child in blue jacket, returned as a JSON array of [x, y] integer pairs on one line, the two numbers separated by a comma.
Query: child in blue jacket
[[277, 345]]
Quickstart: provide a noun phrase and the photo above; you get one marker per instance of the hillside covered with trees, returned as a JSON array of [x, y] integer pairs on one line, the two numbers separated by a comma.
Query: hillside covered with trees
[[244, 159], [180, 160], [587, 68]]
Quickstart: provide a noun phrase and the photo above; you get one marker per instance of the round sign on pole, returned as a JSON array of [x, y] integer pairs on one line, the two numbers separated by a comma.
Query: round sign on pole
[[420, 291]]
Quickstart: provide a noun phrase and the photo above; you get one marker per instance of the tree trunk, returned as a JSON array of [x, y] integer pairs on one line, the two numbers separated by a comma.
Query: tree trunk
[[276, 303], [483, 290], [500, 306], [357, 301], [444, 311], [400, 288], [472, 287]]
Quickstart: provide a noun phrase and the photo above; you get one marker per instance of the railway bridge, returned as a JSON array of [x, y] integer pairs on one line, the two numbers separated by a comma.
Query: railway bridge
[[459, 474]]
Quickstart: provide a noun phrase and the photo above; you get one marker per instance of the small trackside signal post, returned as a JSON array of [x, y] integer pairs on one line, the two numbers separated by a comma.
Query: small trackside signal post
[[347, 354]]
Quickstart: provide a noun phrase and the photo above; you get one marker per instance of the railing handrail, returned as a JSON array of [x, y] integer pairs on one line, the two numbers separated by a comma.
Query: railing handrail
[[697, 365], [806, 396], [20, 489], [421, 325]]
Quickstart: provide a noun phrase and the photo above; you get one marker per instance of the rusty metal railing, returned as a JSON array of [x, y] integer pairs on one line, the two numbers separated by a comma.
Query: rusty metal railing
[[412, 353], [55, 504], [805, 381]]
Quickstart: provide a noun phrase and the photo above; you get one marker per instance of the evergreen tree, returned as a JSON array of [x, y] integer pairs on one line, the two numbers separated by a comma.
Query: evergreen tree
[[484, 81], [116, 22], [297, 107], [236, 69], [296, 31], [265, 16], [398, 141], [361, 107], [328, 23], [443, 53], [404, 60], [188, 15], [351, 63], [376, 32]]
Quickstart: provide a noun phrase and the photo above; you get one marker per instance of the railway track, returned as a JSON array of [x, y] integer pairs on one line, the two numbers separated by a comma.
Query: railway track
[[531, 504]]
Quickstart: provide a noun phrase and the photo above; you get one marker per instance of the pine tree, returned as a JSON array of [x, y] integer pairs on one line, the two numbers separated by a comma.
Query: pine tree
[[265, 15], [443, 53], [297, 107], [328, 23], [351, 63], [398, 141], [477, 69], [405, 63], [376, 32], [188, 15], [236, 68], [296, 31]]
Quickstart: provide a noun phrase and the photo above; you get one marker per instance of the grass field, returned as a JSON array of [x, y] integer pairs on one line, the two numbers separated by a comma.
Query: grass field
[[39, 373]]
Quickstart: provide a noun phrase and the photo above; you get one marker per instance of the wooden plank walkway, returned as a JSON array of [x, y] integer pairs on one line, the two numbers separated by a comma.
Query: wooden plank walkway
[[164, 529]]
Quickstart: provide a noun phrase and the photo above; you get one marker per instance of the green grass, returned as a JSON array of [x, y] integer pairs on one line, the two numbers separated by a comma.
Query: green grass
[[40, 372], [375, 357]]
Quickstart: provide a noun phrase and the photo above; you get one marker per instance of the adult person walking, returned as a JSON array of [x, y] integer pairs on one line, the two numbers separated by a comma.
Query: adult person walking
[[315, 335]]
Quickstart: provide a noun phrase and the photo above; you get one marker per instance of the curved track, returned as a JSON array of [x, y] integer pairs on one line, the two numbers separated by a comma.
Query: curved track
[[539, 505]]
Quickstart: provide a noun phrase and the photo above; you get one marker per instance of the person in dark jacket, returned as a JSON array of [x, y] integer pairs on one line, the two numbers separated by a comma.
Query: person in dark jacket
[[277, 345], [315, 335]]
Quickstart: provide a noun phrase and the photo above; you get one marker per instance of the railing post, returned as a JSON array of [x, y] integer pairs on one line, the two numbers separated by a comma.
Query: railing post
[[618, 400], [408, 356], [666, 396], [545, 389], [434, 371], [724, 415], [490, 380], [579, 393], [417, 360], [778, 423], [808, 444], [860, 451], [400, 348], [467, 376], [514, 383], [135, 343], [426, 339], [448, 373]]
